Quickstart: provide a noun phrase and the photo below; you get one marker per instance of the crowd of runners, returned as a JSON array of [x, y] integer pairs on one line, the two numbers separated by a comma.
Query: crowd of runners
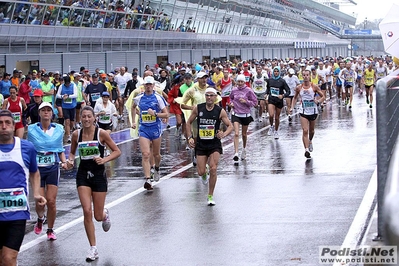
[[209, 101]]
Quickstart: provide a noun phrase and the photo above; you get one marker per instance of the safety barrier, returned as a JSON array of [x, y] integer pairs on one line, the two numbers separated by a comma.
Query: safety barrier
[[387, 92]]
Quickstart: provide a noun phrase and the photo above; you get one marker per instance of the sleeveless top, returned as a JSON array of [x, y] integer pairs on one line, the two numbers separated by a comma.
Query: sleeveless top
[[259, 85], [369, 77], [16, 109], [15, 166], [88, 150], [226, 86], [381, 72], [208, 124], [308, 105]]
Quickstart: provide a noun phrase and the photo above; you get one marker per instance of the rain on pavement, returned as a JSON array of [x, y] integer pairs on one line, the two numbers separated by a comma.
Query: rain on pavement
[[275, 208]]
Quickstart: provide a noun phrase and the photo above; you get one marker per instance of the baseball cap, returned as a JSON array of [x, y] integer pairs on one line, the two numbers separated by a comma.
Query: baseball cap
[[34, 71], [111, 74], [105, 93], [44, 104], [291, 71], [76, 74], [56, 72], [202, 74], [212, 90], [182, 69], [241, 77], [38, 92], [149, 80], [103, 75], [245, 64], [291, 62], [94, 76]]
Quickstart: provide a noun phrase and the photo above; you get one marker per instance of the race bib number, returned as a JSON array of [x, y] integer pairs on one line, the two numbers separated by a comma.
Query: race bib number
[[13, 199], [45, 158], [68, 100], [207, 132], [381, 74], [349, 79], [16, 117], [88, 150], [309, 104], [105, 119], [147, 118], [95, 96], [247, 78], [275, 92]]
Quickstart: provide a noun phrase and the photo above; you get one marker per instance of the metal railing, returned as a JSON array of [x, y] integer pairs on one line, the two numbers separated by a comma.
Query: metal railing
[[387, 93]]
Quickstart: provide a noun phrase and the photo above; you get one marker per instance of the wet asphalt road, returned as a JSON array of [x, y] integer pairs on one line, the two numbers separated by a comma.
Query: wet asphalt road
[[275, 208]]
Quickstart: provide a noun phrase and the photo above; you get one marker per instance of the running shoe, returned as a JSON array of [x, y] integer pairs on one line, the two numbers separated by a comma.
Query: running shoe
[[307, 154], [260, 119], [152, 171], [187, 148], [107, 221], [69, 139], [92, 254], [350, 106], [157, 175], [38, 228], [371, 106], [148, 184], [289, 118], [310, 147], [276, 136], [235, 158], [367, 101], [205, 176], [51, 235], [243, 154], [211, 202], [168, 126], [270, 132]]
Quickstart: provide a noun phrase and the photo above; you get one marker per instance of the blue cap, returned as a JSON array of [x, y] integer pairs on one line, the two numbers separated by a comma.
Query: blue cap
[[105, 93]]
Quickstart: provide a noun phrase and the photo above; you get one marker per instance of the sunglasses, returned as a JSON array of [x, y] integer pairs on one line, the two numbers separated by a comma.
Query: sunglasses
[[209, 95]]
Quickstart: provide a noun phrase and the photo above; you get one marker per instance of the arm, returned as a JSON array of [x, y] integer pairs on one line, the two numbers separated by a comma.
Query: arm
[[192, 117], [23, 104], [34, 179], [295, 99], [286, 89], [5, 103], [74, 145], [63, 160], [134, 110], [227, 122], [186, 97], [106, 138], [318, 90], [59, 96], [50, 92]]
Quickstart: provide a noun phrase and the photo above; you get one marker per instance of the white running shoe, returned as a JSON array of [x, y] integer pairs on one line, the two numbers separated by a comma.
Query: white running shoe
[[106, 222], [243, 154], [276, 136], [235, 158], [92, 254], [310, 147], [157, 175], [260, 119], [271, 130]]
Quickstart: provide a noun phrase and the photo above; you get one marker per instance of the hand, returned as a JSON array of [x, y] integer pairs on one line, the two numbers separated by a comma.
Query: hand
[[40, 200], [231, 105], [220, 134], [151, 112], [134, 125], [242, 100], [69, 164], [191, 143], [65, 96], [99, 160], [64, 166], [280, 96]]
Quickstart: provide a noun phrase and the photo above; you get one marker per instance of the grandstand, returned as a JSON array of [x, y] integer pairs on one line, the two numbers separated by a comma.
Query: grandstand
[[55, 33]]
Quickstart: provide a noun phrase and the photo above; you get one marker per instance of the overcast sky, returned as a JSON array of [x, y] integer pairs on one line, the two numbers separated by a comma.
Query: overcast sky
[[370, 9]]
